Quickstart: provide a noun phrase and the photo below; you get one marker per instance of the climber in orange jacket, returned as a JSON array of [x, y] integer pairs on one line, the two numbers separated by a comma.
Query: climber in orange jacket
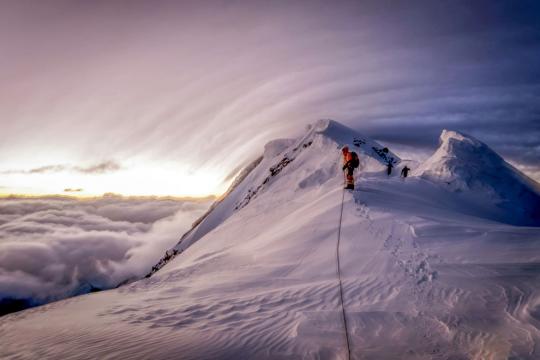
[[350, 162]]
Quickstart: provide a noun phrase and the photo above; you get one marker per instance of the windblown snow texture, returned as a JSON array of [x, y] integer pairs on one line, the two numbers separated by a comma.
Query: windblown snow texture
[[425, 275]]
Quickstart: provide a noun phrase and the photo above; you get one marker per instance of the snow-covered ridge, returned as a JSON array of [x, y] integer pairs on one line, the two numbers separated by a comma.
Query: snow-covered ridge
[[171, 253], [324, 137], [344, 135], [467, 166]]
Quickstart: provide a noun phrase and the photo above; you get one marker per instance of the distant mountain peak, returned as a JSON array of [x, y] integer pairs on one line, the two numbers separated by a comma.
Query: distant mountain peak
[[447, 135], [463, 163], [456, 143]]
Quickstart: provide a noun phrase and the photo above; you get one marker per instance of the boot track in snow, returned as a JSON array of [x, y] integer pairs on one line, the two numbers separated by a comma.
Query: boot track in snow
[[339, 277]]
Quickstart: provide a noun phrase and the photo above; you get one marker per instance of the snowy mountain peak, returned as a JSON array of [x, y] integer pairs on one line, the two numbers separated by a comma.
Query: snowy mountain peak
[[460, 160], [466, 165], [447, 135], [287, 168], [344, 135], [454, 143]]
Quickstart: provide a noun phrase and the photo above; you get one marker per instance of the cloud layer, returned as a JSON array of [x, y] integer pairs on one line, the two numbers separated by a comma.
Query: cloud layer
[[52, 248]]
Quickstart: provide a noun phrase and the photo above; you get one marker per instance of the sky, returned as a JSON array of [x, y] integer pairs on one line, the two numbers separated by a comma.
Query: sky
[[173, 97]]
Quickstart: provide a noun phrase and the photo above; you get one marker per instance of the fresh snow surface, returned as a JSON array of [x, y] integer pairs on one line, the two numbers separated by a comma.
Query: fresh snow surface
[[426, 275]]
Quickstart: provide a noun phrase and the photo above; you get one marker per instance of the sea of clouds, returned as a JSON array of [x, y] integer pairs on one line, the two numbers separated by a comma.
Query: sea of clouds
[[53, 248]]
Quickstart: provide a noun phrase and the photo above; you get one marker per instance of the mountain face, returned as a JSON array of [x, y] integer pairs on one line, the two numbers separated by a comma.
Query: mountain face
[[468, 166], [424, 274], [325, 138]]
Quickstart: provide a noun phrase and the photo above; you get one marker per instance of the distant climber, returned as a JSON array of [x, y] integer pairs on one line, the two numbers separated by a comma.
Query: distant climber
[[405, 171], [350, 162], [389, 166]]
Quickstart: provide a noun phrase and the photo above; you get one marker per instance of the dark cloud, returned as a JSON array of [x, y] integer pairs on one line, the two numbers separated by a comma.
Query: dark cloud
[[479, 75], [105, 167], [506, 118], [52, 248]]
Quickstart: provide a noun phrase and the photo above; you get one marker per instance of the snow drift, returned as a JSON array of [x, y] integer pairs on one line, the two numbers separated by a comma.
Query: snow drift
[[256, 277]]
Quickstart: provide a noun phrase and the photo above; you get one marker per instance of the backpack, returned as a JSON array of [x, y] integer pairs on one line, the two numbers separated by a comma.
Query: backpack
[[355, 161]]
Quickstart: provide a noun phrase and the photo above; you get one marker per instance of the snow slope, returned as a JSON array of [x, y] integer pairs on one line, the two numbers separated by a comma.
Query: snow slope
[[257, 278]]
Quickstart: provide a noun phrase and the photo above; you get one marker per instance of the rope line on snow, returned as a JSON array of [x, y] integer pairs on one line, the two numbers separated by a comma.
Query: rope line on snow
[[339, 278]]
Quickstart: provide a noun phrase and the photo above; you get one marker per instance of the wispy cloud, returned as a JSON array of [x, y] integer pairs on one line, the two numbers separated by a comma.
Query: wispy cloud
[[104, 167], [73, 190], [41, 170], [100, 168]]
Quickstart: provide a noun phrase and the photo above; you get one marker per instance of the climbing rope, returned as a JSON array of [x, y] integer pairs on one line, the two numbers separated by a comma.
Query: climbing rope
[[339, 278]]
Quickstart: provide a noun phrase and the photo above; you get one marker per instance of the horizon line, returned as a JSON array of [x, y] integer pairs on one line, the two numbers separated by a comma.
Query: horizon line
[[15, 196]]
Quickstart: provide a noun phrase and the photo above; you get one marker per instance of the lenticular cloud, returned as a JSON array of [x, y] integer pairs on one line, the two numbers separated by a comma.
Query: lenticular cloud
[[52, 248]]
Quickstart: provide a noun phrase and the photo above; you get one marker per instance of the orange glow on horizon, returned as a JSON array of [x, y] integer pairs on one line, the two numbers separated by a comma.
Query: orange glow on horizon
[[132, 182]]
